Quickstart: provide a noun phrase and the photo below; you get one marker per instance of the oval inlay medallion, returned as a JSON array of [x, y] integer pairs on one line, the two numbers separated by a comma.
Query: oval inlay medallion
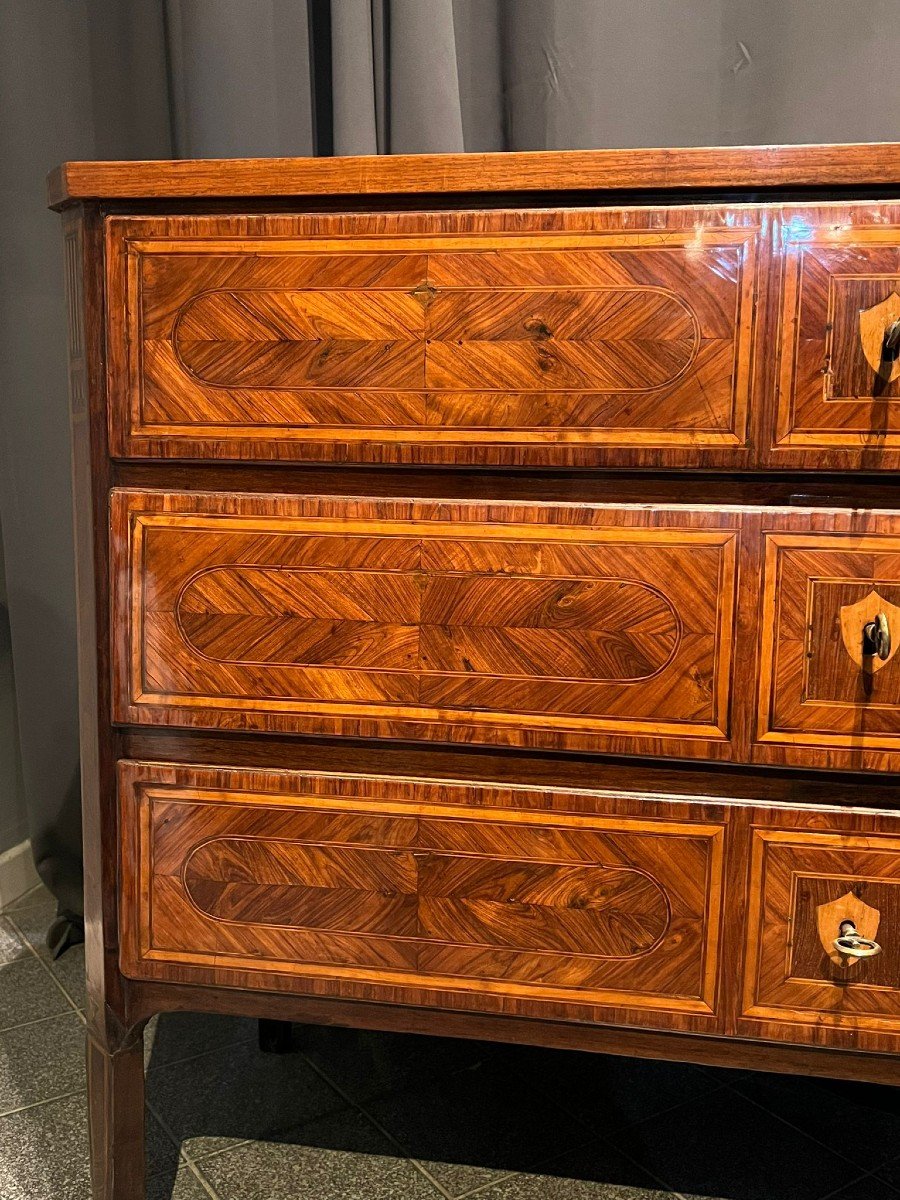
[[596, 339], [496, 625], [571, 908]]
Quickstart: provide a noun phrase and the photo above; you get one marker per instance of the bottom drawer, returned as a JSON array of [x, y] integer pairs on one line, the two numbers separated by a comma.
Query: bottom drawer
[[804, 886], [550, 903]]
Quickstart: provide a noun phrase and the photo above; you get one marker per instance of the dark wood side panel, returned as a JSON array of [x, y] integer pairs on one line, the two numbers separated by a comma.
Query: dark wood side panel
[[114, 1043], [435, 892], [555, 626]]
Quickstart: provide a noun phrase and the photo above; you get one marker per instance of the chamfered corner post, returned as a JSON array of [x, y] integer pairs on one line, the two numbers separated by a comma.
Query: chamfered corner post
[[115, 1078]]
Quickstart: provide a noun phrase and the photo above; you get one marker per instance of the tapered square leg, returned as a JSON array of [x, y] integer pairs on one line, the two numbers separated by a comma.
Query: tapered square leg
[[115, 1077]]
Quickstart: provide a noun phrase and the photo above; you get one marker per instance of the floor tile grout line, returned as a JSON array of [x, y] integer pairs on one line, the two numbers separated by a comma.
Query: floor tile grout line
[[570, 1112], [175, 1062], [419, 1166], [536, 1168], [663, 1183], [377, 1124], [238, 1144], [65, 1012], [841, 1187], [62, 987], [4, 912], [166, 1128], [44, 964], [483, 1187], [611, 1138], [348, 1099], [816, 1141], [202, 1180], [182, 1153], [13, 1112], [796, 1128], [562, 1109], [24, 948], [558, 1104]]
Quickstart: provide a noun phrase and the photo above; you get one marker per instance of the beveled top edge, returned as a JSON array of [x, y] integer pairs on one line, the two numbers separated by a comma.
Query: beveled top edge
[[732, 167]]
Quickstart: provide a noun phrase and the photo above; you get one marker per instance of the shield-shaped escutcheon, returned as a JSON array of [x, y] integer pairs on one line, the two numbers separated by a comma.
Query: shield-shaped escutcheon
[[854, 618], [873, 323], [846, 908]]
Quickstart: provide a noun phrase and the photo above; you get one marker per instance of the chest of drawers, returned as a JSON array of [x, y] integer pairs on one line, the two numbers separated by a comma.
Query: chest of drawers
[[489, 588]]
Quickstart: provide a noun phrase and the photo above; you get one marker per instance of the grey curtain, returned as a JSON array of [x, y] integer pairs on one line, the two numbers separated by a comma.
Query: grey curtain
[[160, 78]]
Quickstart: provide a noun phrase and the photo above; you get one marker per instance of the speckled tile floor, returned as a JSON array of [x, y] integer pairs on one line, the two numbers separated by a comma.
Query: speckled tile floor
[[361, 1116]]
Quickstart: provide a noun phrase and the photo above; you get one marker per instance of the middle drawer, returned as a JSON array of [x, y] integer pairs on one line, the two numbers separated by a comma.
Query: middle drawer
[[573, 626]]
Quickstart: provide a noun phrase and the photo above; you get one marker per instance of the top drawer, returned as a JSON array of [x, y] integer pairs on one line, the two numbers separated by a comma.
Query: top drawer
[[495, 338]]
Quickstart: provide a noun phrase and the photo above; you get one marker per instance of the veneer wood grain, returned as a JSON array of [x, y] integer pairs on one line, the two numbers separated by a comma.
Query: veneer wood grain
[[795, 987], [836, 271], [515, 624], [820, 689], [477, 558], [534, 337], [367, 886], [731, 167]]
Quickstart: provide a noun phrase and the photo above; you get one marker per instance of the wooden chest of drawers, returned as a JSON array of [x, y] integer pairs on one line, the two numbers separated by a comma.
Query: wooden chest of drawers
[[489, 579]]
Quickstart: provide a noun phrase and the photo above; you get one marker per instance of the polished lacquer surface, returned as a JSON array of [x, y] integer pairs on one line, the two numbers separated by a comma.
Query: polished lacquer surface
[[582, 627], [418, 886], [753, 336], [489, 601], [432, 337]]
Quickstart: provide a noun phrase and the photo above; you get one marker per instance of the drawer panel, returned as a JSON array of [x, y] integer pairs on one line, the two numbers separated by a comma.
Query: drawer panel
[[471, 337], [560, 626], [823, 686], [419, 889], [838, 384], [803, 884]]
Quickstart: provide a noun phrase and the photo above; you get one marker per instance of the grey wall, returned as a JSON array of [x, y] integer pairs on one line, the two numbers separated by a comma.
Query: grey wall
[[821, 71], [42, 102], [65, 92]]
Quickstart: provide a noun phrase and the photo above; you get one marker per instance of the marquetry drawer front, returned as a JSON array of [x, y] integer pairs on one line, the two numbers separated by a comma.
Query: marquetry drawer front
[[830, 677], [568, 626], [805, 888], [471, 337], [362, 886], [839, 374]]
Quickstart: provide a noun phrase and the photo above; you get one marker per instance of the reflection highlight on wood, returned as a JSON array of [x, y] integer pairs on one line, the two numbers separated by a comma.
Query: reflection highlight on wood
[[398, 333], [841, 289]]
